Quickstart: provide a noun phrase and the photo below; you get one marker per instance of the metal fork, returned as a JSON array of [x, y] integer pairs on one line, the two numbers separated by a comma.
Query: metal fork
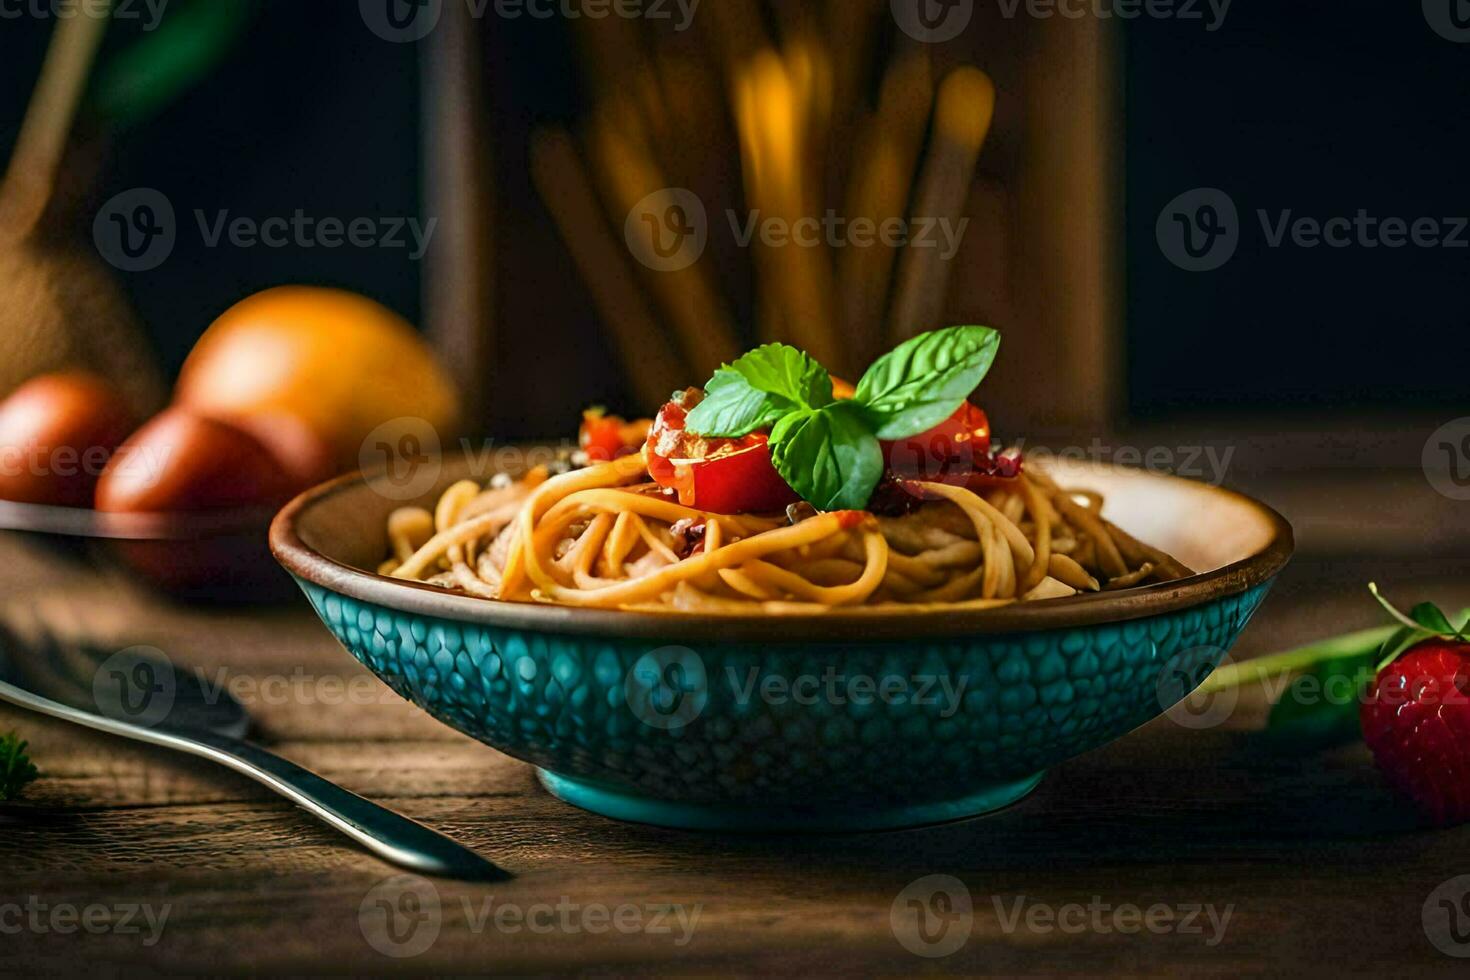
[[138, 694]]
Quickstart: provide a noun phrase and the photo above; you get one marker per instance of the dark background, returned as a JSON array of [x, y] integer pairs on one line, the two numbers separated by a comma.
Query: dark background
[[310, 110], [1320, 107]]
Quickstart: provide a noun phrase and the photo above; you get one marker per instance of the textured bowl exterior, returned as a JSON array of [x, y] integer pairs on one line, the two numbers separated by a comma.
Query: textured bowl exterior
[[812, 728]]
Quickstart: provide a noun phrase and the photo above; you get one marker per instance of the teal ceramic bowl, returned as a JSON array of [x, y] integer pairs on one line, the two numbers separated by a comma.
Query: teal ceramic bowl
[[850, 720]]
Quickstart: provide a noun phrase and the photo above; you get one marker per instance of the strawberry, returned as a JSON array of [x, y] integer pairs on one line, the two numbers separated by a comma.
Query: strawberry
[[1414, 713], [1416, 717]]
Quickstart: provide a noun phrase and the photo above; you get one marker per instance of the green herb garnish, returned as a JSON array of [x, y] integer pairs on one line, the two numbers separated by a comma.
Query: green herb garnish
[[827, 450], [758, 390], [16, 771], [828, 455]]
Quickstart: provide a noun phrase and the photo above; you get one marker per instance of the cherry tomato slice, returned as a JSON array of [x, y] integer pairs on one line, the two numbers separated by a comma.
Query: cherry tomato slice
[[607, 437], [723, 476], [961, 442]]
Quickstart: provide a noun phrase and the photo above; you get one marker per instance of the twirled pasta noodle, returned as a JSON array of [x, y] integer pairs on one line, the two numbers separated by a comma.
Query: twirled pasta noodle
[[603, 536]]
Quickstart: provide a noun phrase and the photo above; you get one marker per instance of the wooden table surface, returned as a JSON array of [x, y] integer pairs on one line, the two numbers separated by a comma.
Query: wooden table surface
[[130, 858]]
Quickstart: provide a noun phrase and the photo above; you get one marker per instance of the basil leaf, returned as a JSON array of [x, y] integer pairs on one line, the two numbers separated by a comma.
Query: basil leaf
[[922, 381], [756, 390], [724, 378], [785, 372], [732, 408], [829, 456]]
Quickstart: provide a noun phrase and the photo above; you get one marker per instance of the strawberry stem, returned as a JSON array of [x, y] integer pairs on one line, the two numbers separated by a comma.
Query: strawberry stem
[[1392, 609], [1362, 642]]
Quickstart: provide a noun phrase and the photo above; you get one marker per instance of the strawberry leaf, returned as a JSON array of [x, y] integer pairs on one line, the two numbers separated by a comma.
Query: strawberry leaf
[[1424, 622], [1428, 615], [1402, 639]]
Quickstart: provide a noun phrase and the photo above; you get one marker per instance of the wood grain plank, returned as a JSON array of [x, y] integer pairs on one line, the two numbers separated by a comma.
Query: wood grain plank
[[1322, 867]]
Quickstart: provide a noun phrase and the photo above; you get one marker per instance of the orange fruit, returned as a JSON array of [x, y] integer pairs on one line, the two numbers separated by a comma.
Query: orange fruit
[[341, 363]]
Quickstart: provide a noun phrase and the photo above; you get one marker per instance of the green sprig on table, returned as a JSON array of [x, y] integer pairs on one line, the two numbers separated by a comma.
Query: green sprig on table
[[828, 449], [16, 770], [1348, 662]]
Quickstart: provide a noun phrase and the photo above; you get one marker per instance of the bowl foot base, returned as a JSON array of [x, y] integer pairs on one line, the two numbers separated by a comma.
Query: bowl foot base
[[622, 805]]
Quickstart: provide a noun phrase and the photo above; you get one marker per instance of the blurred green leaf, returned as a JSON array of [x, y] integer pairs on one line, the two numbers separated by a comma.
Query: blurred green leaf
[[186, 44], [1320, 706]]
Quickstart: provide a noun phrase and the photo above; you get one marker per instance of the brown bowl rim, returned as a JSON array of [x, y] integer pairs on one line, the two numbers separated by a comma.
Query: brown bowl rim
[[54, 520], [839, 625]]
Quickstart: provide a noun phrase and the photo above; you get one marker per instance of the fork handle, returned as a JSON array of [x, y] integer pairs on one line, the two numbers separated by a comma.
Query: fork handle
[[391, 836]]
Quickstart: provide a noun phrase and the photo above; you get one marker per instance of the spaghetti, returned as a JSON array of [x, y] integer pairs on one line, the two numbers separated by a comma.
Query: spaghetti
[[777, 487], [605, 536]]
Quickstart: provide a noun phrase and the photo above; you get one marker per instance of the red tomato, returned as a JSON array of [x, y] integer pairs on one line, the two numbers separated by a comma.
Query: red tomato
[[607, 437], [956, 452], [304, 454], [184, 462], [723, 476], [960, 438], [57, 432]]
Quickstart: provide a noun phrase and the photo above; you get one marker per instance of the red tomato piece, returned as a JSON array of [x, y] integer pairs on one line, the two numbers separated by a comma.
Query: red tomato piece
[[57, 431], [601, 437], [956, 451], [607, 437], [723, 476], [959, 439]]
